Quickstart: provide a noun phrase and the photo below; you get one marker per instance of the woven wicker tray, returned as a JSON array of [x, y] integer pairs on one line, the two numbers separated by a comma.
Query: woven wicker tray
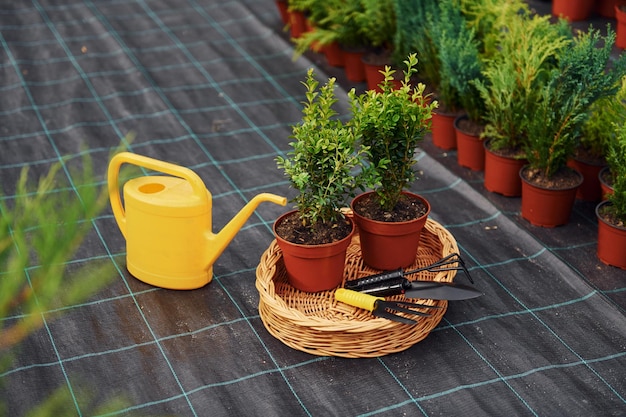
[[320, 325]]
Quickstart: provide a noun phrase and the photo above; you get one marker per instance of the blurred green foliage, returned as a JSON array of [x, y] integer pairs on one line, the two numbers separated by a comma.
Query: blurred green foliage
[[42, 228]]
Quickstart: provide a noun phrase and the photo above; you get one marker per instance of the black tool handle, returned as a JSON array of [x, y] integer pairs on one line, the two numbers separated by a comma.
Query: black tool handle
[[360, 283], [392, 286]]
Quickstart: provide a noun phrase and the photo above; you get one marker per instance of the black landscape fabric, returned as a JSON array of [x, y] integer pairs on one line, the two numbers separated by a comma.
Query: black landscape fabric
[[212, 86]]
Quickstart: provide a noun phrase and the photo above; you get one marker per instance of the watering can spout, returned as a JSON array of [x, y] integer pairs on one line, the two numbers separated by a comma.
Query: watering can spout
[[221, 240]]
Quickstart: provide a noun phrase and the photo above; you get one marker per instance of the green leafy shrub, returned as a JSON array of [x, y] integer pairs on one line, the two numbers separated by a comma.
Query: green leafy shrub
[[581, 78], [414, 35], [450, 34], [334, 21], [392, 122], [377, 23], [528, 50], [460, 63], [324, 158], [599, 131], [44, 227], [487, 18], [41, 229], [616, 161]]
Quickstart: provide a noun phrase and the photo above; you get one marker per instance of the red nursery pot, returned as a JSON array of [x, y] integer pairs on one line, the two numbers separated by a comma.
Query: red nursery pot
[[547, 207], [470, 151], [297, 23], [333, 54], [443, 133], [282, 10], [606, 8], [590, 189], [604, 185], [620, 32], [313, 268], [389, 245], [353, 65], [374, 63], [373, 75], [611, 241], [502, 173], [572, 10]]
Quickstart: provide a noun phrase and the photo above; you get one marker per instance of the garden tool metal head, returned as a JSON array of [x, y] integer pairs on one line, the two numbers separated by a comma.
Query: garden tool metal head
[[395, 282]]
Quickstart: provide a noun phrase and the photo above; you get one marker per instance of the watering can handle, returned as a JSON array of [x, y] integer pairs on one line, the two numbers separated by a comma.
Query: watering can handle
[[194, 180]]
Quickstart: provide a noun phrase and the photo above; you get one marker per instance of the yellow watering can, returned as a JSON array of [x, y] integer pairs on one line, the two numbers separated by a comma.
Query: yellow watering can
[[166, 222]]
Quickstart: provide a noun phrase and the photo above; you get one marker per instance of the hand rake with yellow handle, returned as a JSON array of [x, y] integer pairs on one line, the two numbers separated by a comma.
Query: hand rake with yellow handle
[[381, 307]]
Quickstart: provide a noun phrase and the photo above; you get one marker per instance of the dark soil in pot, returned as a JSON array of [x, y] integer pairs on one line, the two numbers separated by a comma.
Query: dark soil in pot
[[470, 127], [606, 177], [377, 57], [588, 157], [407, 209], [513, 153], [292, 229], [608, 213], [562, 179]]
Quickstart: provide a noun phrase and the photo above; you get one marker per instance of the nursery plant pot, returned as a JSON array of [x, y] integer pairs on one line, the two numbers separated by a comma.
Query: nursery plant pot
[[611, 240], [606, 8], [313, 268], [282, 6], [470, 151], [389, 245], [442, 128], [590, 189], [373, 76], [572, 10], [547, 207], [374, 62], [333, 54], [353, 64], [620, 31], [605, 186], [297, 23], [502, 173]]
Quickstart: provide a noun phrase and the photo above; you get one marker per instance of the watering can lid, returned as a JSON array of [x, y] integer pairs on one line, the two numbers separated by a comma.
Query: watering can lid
[[165, 196]]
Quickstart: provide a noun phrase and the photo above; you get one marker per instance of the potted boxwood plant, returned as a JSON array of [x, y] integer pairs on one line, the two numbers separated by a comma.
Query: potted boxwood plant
[[611, 214], [582, 77], [392, 122], [321, 166], [528, 50]]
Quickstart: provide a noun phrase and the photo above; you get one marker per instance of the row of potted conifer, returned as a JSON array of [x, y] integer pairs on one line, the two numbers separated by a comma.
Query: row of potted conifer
[[534, 96]]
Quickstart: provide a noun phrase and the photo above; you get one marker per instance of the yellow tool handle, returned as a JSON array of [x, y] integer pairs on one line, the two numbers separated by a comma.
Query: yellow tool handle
[[357, 299]]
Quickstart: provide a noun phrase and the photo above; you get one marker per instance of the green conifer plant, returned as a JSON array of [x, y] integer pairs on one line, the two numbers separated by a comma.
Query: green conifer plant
[[616, 161], [583, 76], [528, 50]]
